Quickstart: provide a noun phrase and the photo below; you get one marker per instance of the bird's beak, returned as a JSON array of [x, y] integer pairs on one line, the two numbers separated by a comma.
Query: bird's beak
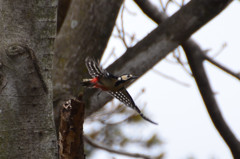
[[134, 77]]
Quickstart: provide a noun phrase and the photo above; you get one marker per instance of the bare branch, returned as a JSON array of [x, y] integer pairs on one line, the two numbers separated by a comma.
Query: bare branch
[[118, 122], [213, 109], [182, 64], [220, 50], [112, 53], [171, 78], [122, 34], [151, 11], [162, 6], [211, 60], [156, 45], [195, 59], [122, 26], [135, 155], [167, 4]]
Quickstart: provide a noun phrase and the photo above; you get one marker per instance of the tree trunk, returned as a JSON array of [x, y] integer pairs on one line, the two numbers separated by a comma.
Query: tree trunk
[[85, 32], [26, 47]]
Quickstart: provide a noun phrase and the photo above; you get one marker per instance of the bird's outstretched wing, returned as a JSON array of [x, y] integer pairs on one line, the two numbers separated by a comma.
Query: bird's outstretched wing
[[126, 99], [94, 68]]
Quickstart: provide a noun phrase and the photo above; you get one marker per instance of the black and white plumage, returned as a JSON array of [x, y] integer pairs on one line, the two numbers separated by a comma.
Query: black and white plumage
[[114, 85], [93, 68]]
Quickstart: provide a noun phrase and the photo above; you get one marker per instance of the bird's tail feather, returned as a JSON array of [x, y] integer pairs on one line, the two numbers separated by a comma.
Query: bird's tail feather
[[147, 119], [143, 116]]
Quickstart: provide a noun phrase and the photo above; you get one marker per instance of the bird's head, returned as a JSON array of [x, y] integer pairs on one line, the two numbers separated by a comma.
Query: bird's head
[[127, 77]]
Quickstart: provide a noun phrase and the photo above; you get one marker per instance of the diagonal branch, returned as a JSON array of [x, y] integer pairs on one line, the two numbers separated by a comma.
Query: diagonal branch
[[195, 60], [134, 155], [155, 46], [171, 78], [211, 60], [152, 12]]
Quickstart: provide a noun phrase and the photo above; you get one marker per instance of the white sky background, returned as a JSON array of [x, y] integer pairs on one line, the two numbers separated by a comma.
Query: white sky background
[[184, 124]]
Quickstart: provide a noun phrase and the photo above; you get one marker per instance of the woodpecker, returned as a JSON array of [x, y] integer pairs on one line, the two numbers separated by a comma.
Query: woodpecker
[[113, 85]]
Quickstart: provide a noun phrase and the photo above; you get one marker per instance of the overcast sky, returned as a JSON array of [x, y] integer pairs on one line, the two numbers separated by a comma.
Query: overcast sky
[[184, 124]]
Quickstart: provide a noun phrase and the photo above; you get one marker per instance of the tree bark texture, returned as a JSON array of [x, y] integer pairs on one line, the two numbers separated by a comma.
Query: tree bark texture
[[26, 47], [85, 32], [71, 144], [63, 6], [161, 41]]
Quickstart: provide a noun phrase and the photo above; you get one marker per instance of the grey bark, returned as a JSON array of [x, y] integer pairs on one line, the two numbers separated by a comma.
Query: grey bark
[[156, 45], [63, 6], [71, 145], [26, 47], [85, 32]]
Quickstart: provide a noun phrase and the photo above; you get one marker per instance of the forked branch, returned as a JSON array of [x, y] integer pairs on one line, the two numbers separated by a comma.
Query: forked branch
[[195, 60]]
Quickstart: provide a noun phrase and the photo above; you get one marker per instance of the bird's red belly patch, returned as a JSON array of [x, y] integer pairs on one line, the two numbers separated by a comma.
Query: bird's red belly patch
[[95, 81], [100, 86]]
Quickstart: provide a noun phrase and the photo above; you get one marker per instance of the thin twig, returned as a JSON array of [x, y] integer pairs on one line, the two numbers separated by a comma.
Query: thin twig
[[220, 50], [122, 26], [162, 6], [119, 152], [174, 1], [182, 3], [118, 122], [181, 63], [211, 60], [120, 36], [112, 53], [170, 78], [167, 4]]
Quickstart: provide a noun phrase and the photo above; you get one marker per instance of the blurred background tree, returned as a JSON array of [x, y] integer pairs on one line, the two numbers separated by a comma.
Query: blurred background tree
[[88, 32], [86, 28]]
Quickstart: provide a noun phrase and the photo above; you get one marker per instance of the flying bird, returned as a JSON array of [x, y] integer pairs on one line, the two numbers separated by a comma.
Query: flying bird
[[113, 85]]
